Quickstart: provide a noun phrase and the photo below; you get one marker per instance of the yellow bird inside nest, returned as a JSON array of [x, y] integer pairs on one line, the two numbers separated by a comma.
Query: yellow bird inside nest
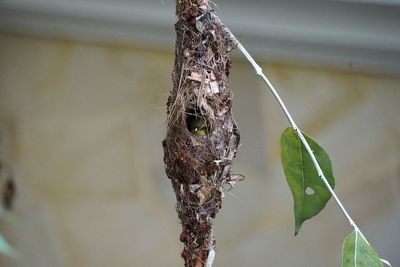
[[197, 125]]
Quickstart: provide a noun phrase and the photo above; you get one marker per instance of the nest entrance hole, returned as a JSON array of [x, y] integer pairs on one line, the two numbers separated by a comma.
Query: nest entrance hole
[[197, 123]]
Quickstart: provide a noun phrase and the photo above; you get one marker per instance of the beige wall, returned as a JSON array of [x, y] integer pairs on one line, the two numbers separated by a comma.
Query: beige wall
[[82, 125]]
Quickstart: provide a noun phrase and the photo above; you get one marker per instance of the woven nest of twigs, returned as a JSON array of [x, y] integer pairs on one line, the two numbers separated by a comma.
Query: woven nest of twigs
[[202, 136]]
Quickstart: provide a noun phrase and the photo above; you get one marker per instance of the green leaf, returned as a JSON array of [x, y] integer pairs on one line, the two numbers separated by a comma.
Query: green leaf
[[355, 246], [310, 194]]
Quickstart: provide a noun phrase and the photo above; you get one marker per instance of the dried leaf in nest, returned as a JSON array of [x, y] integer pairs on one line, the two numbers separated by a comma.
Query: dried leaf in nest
[[194, 76], [202, 136]]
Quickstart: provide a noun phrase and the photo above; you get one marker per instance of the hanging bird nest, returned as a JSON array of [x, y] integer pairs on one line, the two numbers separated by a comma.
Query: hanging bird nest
[[202, 136]]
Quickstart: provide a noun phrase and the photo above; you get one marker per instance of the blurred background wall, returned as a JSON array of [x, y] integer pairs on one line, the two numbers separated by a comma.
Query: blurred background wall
[[82, 91]]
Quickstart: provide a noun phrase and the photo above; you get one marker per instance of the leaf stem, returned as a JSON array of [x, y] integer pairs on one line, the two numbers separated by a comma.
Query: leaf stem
[[355, 249]]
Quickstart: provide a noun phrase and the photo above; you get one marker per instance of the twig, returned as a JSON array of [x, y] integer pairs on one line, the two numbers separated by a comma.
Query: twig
[[260, 73]]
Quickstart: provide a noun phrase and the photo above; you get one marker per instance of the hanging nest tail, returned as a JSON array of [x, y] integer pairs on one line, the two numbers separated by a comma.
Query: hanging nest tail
[[202, 136]]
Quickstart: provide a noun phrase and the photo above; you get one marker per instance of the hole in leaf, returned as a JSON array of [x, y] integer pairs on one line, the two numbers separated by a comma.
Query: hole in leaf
[[309, 191], [197, 123]]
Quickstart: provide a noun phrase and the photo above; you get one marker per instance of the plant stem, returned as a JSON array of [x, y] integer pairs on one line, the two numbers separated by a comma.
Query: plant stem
[[289, 117], [260, 73], [210, 259]]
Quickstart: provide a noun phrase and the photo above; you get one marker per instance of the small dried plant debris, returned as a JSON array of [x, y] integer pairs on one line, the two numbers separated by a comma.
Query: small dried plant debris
[[7, 187], [202, 136]]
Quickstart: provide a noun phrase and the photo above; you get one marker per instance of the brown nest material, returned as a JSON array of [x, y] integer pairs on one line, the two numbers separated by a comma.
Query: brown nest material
[[202, 136]]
